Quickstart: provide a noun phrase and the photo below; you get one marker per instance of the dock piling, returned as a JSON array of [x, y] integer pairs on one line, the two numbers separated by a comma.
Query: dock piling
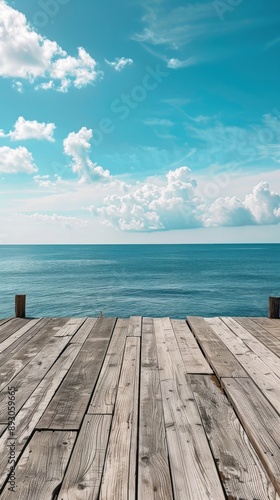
[[273, 307], [20, 303]]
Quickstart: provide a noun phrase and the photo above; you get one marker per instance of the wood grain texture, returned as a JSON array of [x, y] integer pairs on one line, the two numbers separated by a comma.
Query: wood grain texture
[[260, 421], [271, 325], [194, 360], [14, 361], [135, 325], [239, 466], [104, 397], [19, 333], [83, 477], [41, 468], [70, 328], [269, 340], [256, 367], [83, 332], [119, 478], [268, 357], [30, 414], [218, 355], [154, 479], [69, 405], [7, 329], [31, 375], [193, 469], [38, 334]]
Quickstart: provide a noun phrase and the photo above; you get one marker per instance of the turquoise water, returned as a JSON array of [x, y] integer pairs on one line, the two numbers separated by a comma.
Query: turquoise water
[[147, 280]]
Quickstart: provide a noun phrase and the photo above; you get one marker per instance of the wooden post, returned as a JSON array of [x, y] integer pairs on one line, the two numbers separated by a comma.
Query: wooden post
[[273, 307], [20, 301]]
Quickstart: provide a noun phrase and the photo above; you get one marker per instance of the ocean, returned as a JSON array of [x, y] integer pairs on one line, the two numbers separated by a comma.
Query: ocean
[[146, 280]]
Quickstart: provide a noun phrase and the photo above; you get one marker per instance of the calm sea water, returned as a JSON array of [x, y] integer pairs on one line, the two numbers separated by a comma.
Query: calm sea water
[[147, 280]]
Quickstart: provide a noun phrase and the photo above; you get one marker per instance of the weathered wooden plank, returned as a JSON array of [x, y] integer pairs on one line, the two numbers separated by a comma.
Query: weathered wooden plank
[[239, 466], [31, 375], [270, 359], [271, 325], [148, 346], [70, 328], [217, 354], [154, 480], [104, 396], [191, 353], [256, 368], [193, 468], [69, 405], [44, 329], [19, 333], [269, 340], [119, 477], [260, 421], [135, 325], [41, 468], [2, 428], [13, 361], [83, 332], [30, 414], [4, 320], [9, 328], [83, 477]]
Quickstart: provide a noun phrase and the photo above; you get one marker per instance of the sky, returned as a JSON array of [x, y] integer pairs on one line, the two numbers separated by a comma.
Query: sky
[[139, 122]]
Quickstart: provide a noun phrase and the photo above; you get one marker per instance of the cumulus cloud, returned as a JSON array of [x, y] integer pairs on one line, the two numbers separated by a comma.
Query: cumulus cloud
[[25, 129], [78, 147], [25, 54], [13, 161], [152, 207], [175, 203], [120, 63]]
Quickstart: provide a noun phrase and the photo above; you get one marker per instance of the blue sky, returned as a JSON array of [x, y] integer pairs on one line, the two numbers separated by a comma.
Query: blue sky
[[139, 122]]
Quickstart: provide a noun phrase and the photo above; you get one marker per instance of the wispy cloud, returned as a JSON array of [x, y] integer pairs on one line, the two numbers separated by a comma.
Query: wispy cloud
[[174, 63], [174, 27], [120, 63]]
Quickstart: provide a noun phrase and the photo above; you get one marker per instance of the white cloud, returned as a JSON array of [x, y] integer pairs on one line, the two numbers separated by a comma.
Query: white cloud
[[45, 181], [25, 129], [78, 147], [154, 207], [13, 161], [18, 87], [176, 203], [120, 63], [178, 64], [27, 55], [175, 27]]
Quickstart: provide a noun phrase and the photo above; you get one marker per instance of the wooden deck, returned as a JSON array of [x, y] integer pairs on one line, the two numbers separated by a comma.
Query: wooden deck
[[140, 409]]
